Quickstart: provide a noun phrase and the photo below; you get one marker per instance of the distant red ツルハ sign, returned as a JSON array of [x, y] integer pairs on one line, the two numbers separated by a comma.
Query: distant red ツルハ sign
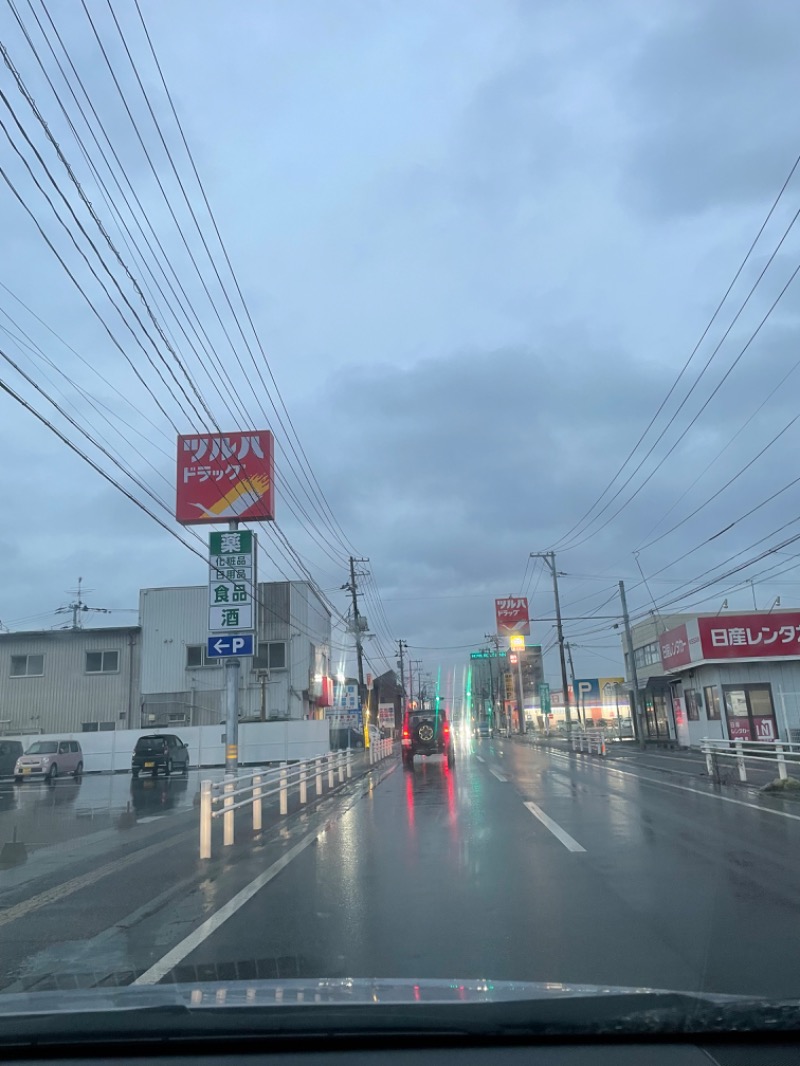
[[225, 477], [512, 615]]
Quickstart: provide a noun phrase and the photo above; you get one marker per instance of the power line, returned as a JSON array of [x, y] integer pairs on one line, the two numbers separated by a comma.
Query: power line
[[561, 543]]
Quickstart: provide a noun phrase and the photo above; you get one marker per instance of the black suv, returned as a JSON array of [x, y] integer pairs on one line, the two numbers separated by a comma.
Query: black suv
[[159, 751], [426, 733]]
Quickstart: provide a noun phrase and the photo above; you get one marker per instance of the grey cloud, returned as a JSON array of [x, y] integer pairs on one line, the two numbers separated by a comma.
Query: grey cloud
[[708, 96]]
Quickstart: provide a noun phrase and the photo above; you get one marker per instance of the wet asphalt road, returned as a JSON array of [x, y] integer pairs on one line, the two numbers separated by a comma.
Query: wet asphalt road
[[518, 864]]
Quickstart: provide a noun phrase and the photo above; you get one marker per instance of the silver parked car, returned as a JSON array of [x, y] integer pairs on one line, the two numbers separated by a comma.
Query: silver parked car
[[50, 759]]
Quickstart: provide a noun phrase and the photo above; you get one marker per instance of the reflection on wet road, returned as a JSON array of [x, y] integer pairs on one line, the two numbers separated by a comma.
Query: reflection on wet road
[[43, 814], [517, 863]]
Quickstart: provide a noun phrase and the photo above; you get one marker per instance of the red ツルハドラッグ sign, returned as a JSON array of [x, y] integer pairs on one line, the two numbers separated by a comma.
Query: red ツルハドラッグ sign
[[225, 477]]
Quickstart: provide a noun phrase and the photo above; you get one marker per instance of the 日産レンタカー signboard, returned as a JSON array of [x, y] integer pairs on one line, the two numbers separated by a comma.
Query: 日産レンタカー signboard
[[675, 648], [225, 477], [750, 636], [511, 613]]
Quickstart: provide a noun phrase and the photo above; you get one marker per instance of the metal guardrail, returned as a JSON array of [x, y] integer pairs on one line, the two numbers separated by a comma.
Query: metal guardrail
[[742, 751], [221, 799], [591, 740]]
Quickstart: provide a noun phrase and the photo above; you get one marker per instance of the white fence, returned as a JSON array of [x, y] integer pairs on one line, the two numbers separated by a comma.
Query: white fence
[[259, 743], [591, 740], [764, 752], [221, 799]]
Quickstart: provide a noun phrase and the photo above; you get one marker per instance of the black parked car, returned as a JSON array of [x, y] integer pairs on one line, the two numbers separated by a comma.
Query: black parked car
[[159, 751], [426, 733]]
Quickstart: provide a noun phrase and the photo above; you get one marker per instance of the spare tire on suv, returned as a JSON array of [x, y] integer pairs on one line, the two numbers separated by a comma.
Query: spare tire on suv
[[426, 733]]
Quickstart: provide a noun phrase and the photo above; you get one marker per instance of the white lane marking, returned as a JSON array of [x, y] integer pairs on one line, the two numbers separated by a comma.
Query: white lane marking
[[480, 758], [497, 774], [687, 788], [569, 843], [710, 795], [177, 954]]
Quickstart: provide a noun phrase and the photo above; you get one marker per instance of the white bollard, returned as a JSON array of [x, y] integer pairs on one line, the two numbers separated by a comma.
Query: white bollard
[[349, 763], [341, 767], [256, 803], [318, 774], [709, 761], [331, 757], [205, 819], [228, 816], [740, 761], [303, 784], [284, 795], [781, 762]]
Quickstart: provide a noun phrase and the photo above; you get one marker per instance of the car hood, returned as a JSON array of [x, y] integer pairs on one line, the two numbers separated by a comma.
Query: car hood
[[259, 1007]]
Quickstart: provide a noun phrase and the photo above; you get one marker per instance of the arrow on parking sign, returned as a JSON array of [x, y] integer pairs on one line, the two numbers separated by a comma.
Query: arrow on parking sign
[[228, 644]]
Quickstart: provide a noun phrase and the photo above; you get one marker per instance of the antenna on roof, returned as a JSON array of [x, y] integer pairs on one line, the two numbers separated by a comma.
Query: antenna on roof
[[78, 607]]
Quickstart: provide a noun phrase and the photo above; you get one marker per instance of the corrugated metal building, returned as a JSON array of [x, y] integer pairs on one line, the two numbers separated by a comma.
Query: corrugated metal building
[[180, 685], [69, 680]]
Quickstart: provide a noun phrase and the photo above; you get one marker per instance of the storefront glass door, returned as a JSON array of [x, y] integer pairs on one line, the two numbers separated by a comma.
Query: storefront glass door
[[749, 712]]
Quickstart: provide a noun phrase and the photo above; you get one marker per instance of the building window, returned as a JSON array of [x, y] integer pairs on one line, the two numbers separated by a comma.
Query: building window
[[106, 727], [89, 727], [713, 709], [692, 710], [27, 665], [102, 662], [196, 656], [272, 655], [647, 655]]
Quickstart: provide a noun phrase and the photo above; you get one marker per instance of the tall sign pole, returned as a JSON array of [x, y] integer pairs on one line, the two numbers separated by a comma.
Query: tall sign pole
[[232, 676], [228, 478]]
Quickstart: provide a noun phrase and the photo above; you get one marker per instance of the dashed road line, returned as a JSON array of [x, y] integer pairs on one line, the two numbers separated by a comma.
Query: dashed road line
[[561, 834], [497, 774]]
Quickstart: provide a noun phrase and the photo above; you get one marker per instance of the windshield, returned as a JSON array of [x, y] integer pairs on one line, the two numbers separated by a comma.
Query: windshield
[[150, 744], [400, 514], [42, 747]]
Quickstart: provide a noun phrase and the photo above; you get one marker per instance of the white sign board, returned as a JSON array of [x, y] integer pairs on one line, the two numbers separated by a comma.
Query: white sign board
[[232, 582]]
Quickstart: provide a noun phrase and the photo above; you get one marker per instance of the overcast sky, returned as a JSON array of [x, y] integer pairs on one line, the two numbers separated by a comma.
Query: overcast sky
[[479, 239]]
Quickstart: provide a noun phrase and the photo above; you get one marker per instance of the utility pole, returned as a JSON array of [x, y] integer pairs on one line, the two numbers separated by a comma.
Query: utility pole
[[401, 647], [568, 646], [637, 714], [494, 642], [353, 589], [418, 664], [550, 559]]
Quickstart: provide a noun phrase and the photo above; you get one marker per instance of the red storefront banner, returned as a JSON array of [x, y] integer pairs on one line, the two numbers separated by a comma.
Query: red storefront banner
[[512, 615], [225, 476], [749, 636], [675, 650]]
